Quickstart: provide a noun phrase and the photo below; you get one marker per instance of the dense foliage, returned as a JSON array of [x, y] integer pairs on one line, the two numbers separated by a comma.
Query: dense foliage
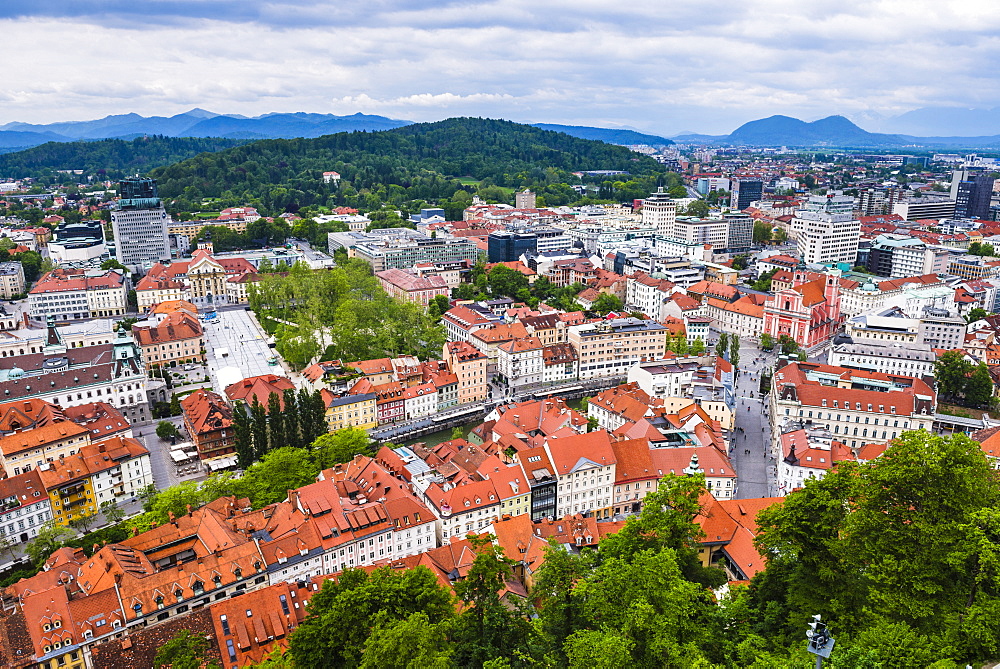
[[108, 158], [295, 419], [900, 554], [344, 312], [406, 168], [962, 382]]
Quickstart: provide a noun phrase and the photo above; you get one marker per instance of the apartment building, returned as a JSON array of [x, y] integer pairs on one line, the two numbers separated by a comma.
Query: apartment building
[[857, 297], [585, 472], [175, 340], [609, 348], [208, 418], [74, 294], [154, 290], [468, 364], [356, 410], [420, 290], [560, 363], [24, 507], [909, 359], [420, 400], [648, 295], [857, 406], [11, 279], [744, 317], [937, 328], [713, 464], [808, 453], [520, 362], [114, 470]]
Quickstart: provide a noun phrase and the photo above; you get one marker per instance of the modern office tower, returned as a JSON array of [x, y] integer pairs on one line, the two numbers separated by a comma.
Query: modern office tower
[[744, 192], [973, 197], [509, 246], [659, 212], [740, 231], [140, 225], [826, 230]]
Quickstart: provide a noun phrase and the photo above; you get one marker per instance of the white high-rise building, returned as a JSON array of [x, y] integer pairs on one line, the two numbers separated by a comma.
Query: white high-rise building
[[826, 230], [659, 212], [140, 222]]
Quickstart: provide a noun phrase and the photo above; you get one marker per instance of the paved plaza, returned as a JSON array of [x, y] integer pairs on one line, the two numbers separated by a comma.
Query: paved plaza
[[236, 341]]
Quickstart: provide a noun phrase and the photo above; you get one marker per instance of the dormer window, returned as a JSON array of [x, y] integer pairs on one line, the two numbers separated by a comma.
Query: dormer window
[[179, 594], [217, 580], [238, 573], [198, 588], [159, 601], [46, 627]]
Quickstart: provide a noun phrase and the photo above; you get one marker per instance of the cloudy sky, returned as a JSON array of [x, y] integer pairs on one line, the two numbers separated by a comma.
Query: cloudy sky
[[655, 65]]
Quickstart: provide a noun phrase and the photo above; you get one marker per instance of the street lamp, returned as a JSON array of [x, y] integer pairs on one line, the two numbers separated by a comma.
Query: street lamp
[[820, 642]]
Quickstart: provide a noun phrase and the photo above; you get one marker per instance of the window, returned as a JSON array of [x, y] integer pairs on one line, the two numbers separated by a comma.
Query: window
[[224, 622]]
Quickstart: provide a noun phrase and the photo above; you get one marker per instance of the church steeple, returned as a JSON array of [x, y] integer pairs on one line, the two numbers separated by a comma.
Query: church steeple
[[126, 355], [694, 467], [53, 339]]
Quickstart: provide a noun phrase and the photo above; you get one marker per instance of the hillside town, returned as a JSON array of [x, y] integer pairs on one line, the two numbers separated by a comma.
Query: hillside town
[[777, 315]]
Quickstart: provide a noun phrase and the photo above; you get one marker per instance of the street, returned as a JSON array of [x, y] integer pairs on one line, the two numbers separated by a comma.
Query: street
[[755, 470]]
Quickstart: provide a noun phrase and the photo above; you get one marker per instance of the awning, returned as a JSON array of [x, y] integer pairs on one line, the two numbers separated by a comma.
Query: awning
[[222, 463]]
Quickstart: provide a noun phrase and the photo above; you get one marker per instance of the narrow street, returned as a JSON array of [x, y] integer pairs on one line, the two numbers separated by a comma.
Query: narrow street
[[748, 448]]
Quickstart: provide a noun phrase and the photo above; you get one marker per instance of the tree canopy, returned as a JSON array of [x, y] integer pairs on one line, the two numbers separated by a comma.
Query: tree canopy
[[342, 313], [405, 167]]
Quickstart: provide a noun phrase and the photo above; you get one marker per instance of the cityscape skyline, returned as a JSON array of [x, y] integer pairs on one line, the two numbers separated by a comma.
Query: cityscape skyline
[[706, 69]]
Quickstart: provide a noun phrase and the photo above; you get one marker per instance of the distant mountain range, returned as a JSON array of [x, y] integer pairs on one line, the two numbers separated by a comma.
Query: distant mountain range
[[202, 123], [832, 131], [607, 135], [933, 121], [194, 123]]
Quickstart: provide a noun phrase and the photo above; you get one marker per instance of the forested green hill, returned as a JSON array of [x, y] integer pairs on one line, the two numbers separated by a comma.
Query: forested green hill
[[403, 167], [108, 158]]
